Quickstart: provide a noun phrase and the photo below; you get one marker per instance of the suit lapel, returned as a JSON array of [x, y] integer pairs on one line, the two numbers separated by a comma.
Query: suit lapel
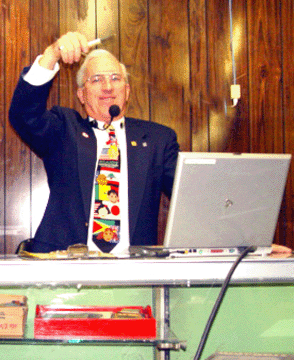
[[138, 153], [87, 150]]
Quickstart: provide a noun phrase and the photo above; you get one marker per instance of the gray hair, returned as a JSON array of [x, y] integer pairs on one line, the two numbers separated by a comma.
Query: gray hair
[[91, 55]]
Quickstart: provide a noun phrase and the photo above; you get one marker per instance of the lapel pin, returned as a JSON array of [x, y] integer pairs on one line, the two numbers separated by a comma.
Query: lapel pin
[[85, 134], [134, 143]]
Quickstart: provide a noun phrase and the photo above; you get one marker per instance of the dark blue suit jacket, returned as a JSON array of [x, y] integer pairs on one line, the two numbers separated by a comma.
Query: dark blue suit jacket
[[67, 144]]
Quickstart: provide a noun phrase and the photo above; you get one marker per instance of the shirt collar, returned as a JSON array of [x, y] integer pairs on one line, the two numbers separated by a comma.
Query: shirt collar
[[117, 124]]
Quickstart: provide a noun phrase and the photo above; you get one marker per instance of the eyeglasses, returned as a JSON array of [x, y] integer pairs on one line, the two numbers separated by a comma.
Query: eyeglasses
[[99, 79]]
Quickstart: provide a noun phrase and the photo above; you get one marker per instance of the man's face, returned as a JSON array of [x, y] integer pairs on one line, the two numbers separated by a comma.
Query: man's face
[[109, 88]]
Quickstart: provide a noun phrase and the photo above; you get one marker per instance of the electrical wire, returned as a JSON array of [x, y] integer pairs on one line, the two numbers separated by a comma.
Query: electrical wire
[[235, 100], [231, 43], [219, 301]]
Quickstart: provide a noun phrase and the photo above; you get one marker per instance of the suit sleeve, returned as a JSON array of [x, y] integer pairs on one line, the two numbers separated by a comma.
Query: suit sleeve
[[30, 118], [170, 161]]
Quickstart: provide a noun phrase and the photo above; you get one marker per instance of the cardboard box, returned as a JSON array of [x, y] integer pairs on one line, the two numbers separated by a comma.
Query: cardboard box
[[93, 322], [13, 315]]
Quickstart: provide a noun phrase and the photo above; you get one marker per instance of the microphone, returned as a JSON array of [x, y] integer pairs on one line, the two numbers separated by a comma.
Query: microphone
[[114, 111]]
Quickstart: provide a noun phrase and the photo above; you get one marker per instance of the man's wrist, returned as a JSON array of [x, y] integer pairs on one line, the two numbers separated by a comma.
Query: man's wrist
[[39, 75], [50, 57]]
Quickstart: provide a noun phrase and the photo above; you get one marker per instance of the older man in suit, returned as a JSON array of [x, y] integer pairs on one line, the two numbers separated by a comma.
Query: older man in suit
[[71, 147]]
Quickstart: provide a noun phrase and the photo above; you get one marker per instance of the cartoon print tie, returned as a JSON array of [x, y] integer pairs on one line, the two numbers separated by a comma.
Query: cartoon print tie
[[106, 225]]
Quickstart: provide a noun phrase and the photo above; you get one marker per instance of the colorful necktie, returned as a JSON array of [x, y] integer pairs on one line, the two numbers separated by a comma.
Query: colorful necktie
[[106, 225]]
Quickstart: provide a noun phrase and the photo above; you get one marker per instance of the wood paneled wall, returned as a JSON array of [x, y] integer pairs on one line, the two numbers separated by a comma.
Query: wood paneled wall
[[179, 54]]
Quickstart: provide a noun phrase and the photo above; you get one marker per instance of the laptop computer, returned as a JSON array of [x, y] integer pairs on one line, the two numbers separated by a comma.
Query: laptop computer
[[224, 202]]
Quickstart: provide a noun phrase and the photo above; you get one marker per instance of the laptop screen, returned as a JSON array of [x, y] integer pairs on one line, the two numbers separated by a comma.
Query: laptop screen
[[225, 201]]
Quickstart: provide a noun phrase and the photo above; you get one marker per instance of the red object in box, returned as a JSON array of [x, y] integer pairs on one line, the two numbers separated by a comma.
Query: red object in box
[[51, 324]]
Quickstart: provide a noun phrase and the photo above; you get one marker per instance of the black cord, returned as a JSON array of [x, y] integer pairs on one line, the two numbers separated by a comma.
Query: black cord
[[94, 124], [219, 301]]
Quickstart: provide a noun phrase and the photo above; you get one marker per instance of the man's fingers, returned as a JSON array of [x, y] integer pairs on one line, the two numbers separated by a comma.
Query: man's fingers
[[71, 46], [83, 42]]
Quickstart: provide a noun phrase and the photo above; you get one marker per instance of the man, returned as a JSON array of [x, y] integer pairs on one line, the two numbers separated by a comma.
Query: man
[[70, 148]]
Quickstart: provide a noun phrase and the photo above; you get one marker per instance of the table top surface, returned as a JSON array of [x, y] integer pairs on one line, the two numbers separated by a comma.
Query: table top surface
[[15, 271]]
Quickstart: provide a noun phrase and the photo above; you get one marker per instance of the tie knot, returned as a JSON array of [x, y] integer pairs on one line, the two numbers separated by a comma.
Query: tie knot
[[109, 128]]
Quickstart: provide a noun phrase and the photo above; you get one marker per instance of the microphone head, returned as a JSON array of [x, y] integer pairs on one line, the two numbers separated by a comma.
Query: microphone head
[[114, 111]]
